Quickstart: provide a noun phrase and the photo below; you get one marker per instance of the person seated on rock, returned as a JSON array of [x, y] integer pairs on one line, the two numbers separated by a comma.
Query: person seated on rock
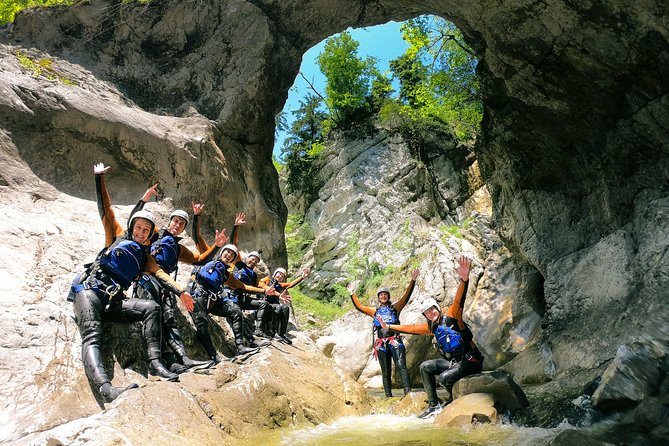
[[454, 339], [212, 286], [247, 275], [168, 251], [244, 271], [281, 302], [98, 293], [388, 345]]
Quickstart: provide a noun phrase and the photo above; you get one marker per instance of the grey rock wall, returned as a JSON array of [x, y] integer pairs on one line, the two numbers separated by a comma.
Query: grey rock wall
[[574, 146]]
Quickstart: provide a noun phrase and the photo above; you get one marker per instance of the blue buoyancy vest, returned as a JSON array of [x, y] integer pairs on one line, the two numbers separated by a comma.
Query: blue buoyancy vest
[[123, 262], [389, 314], [450, 341], [212, 276], [246, 275], [166, 252]]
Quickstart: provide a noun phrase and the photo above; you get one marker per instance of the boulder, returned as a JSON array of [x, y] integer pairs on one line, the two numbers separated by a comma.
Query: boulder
[[411, 404], [506, 393], [633, 375], [474, 407]]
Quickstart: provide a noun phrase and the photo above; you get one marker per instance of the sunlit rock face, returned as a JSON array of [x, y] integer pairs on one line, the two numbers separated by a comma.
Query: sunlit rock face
[[574, 143], [384, 209]]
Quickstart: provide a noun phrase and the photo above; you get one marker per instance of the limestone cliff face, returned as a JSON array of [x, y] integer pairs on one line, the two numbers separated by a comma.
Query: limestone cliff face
[[386, 208]]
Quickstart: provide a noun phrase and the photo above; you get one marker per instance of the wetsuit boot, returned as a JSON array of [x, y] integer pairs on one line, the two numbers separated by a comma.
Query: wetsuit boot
[[109, 393], [242, 349], [159, 369]]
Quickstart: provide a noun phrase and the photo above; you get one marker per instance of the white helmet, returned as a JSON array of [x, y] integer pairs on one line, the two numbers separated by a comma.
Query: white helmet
[[254, 254], [279, 270], [382, 290], [232, 248], [428, 303], [181, 214], [146, 215]]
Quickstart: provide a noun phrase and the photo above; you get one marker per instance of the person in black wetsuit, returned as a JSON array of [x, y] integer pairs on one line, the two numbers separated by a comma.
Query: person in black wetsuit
[[461, 356], [244, 271], [212, 286], [388, 346], [168, 251], [280, 302], [98, 293]]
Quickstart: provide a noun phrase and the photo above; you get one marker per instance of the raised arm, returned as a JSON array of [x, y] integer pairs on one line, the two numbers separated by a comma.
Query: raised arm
[[107, 215], [240, 219], [286, 285], [456, 309], [188, 256], [196, 235], [369, 311], [400, 304], [150, 192], [233, 282], [417, 329]]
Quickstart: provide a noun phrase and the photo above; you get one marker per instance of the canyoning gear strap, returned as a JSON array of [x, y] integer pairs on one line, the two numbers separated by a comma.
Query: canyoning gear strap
[[212, 276], [382, 344], [450, 341], [78, 281], [122, 261], [228, 295], [100, 283], [166, 252]]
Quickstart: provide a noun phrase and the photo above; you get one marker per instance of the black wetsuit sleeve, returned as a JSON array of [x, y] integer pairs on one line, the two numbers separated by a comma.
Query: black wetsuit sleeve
[[138, 207], [99, 197]]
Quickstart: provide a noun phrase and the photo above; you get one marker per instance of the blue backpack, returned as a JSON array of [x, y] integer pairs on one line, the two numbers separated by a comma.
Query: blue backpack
[[166, 253], [123, 262], [212, 276], [450, 341]]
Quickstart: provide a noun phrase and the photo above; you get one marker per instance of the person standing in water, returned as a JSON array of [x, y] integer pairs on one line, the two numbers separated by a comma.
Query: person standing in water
[[388, 346], [460, 355], [99, 292]]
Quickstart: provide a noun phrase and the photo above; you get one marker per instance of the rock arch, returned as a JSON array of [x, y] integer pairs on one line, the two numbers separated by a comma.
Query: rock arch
[[574, 144]]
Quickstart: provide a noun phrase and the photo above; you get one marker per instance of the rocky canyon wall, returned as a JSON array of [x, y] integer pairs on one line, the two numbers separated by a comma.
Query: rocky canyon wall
[[574, 147]]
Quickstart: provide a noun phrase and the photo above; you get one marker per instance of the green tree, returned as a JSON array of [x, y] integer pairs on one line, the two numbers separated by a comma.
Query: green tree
[[437, 76], [9, 8], [304, 144], [347, 80], [381, 91]]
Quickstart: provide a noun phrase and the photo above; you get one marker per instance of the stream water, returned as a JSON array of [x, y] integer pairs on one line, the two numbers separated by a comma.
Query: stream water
[[389, 430]]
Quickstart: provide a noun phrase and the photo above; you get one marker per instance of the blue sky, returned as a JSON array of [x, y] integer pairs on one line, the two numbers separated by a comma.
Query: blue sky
[[383, 42]]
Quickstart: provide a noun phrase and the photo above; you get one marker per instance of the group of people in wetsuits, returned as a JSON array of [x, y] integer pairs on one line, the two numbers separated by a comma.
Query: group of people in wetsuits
[[453, 338], [143, 256], [223, 284]]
